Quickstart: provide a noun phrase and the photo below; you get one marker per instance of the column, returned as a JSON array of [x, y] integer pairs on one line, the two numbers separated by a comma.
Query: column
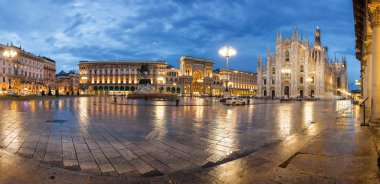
[[183, 84], [375, 25], [191, 89], [204, 86], [368, 70]]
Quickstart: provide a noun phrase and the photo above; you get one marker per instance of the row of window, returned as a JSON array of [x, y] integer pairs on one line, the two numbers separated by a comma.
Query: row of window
[[22, 73], [274, 70], [301, 80], [120, 67]]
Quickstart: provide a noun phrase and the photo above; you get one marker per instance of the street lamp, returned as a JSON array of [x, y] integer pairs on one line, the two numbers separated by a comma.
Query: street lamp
[[227, 51], [9, 54]]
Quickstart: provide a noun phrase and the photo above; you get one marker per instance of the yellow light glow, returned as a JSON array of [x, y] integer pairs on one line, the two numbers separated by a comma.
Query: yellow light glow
[[286, 70], [9, 53], [227, 51]]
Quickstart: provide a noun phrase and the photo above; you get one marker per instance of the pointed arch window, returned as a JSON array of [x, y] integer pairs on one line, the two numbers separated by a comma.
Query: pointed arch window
[[286, 55]]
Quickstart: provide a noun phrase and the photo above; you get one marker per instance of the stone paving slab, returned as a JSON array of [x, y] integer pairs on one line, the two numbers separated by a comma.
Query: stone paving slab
[[135, 141]]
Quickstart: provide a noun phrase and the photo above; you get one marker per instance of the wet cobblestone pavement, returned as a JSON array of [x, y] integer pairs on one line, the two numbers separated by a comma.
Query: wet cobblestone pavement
[[202, 137]]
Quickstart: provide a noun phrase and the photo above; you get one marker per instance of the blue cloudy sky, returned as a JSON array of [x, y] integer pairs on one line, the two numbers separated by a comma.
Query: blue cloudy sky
[[72, 30]]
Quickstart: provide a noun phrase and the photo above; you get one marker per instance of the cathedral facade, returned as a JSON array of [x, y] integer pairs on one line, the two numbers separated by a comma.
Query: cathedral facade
[[297, 69]]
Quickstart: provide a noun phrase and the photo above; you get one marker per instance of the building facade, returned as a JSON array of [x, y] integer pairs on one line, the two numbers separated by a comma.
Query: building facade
[[299, 70], [240, 83], [67, 83], [24, 73], [194, 77], [119, 77], [49, 70], [367, 31]]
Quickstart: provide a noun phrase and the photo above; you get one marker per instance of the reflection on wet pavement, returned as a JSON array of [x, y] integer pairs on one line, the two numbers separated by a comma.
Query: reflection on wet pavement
[[94, 135]]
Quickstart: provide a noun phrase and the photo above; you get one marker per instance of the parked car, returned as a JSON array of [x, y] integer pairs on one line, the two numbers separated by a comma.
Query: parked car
[[236, 101], [224, 99]]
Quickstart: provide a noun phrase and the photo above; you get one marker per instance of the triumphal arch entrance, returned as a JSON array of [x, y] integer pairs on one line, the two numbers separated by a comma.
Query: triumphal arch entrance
[[195, 76]]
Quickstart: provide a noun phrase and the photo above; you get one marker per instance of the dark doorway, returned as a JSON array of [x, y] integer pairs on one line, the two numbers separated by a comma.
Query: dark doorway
[[273, 94], [301, 93], [286, 91], [265, 92], [312, 93]]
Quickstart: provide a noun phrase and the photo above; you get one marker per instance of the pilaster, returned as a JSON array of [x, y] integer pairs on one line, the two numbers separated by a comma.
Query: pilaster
[[374, 16], [368, 69]]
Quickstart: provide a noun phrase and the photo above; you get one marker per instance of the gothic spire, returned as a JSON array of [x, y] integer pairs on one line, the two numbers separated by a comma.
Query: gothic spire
[[317, 41]]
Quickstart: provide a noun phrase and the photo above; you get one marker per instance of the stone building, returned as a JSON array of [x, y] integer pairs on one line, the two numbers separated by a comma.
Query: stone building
[[117, 77], [297, 69], [49, 69], [24, 73], [194, 77], [367, 31], [240, 83], [67, 83]]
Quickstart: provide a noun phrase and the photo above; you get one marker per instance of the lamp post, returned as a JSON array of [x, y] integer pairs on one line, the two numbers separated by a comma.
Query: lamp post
[[227, 51], [9, 54]]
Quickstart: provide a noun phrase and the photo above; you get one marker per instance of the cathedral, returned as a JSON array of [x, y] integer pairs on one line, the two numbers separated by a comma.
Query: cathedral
[[297, 69]]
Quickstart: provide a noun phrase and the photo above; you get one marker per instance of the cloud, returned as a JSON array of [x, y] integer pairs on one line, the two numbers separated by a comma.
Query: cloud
[[69, 31]]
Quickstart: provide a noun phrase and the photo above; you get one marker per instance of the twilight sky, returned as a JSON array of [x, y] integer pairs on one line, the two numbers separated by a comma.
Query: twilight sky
[[72, 30]]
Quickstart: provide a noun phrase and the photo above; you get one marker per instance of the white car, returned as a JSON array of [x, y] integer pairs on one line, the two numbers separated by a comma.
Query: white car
[[236, 101]]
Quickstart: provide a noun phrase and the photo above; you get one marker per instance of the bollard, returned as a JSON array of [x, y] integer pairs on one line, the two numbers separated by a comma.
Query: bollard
[[177, 102], [363, 105]]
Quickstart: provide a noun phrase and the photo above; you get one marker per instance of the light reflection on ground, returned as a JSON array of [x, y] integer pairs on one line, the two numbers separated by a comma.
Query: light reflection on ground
[[199, 131]]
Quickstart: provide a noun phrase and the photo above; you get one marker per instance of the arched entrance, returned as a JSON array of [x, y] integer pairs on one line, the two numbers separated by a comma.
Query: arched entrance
[[286, 91], [198, 82], [301, 93], [265, 92], [187, 89], [273, 94], [312, 93]]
